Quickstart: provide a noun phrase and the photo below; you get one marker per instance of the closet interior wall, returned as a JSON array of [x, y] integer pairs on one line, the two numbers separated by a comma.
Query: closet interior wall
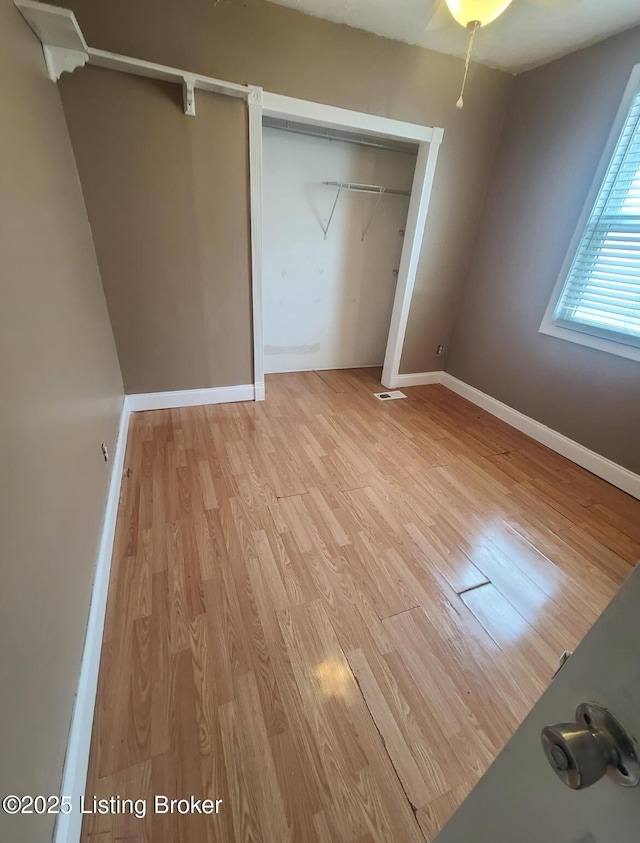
[[328, 298]]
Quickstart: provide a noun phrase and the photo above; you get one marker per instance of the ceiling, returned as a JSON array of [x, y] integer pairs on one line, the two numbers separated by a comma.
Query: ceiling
[[529, 33]]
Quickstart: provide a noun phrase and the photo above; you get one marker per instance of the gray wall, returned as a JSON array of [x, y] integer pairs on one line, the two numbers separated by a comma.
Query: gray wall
[[61, 397], [556, 128], [167, 195]]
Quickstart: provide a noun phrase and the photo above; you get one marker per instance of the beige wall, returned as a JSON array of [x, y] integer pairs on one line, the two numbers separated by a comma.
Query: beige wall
[[61, 396], [167, 195], [558, 123]]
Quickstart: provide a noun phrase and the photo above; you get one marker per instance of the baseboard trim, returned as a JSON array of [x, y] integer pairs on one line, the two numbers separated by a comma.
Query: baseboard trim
[[193, 397], [602, 467], [74, 777], [417, 379]]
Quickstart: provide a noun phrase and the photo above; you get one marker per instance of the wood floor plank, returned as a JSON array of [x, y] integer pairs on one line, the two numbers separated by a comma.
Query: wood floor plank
[[532, 659], [411, 748], [330, 613]]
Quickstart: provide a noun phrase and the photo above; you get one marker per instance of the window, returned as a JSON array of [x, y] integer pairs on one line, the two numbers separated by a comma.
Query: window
[[597, 298]]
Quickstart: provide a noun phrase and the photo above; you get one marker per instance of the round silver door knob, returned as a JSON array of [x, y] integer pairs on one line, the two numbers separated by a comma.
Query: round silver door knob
[[596, 745]]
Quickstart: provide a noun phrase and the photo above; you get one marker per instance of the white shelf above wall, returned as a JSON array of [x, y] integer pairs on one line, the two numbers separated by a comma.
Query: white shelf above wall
[[65, 49], [54, 26]]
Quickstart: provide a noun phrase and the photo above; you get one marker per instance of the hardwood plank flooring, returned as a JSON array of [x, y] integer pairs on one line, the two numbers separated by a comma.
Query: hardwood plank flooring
[[331, 613]]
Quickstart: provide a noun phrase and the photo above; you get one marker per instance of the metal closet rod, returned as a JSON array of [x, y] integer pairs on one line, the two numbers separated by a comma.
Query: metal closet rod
[[326, 134], [366, 188], [353, 187]]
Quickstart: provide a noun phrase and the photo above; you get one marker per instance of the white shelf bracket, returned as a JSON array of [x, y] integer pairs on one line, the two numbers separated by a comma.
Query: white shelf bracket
[[373, 213], [325, 228], [189, 95], [61, 60], [58, 31]]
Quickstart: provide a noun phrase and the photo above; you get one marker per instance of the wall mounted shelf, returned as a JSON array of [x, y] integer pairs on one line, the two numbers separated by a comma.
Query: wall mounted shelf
[[65, 49], [353, 187], [62, 41]]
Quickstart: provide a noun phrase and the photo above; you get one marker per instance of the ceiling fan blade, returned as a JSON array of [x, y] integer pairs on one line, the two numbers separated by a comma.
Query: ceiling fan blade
[[439, 17]]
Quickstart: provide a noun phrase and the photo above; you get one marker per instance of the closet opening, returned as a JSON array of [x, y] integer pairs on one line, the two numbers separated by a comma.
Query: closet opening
[[335, 215]]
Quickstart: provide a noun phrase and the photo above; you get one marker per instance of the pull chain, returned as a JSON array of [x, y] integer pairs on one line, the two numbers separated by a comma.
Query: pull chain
[[473, 26]]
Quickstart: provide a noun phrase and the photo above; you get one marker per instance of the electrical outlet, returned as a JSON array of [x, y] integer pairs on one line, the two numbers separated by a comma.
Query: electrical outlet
[[105, 452], [440, 350]]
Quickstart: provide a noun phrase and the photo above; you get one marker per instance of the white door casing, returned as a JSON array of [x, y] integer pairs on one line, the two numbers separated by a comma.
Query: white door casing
[[428, 140]]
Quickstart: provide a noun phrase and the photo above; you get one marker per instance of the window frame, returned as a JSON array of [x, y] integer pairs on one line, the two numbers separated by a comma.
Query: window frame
[[577, 334]]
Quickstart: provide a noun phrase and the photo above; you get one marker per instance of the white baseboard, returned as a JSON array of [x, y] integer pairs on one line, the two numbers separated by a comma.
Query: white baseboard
[[193, 397], [259, 391], [418, 379], [74, 777], [610, 471]]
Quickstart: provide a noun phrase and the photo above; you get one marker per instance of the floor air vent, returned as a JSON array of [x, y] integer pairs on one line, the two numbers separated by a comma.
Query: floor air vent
[[389, 396]]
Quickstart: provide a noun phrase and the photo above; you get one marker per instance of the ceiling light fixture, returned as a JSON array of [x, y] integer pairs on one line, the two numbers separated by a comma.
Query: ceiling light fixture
[[472, 14]]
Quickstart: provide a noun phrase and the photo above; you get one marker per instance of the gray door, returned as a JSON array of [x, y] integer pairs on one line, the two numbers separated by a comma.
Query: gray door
[[520, 798]]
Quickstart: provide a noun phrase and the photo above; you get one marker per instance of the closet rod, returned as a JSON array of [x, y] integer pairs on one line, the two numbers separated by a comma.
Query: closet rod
[[366, 188], [326, 134]]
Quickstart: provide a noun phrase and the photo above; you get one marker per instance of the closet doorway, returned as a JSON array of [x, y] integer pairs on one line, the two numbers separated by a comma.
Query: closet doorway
[[321, 119], [335, 213]]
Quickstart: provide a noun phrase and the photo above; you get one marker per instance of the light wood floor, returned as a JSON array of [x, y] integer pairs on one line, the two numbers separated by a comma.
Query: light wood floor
[[331, 612]]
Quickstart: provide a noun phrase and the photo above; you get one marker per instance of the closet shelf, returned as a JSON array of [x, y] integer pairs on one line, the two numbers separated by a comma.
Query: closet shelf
[[353, 187]]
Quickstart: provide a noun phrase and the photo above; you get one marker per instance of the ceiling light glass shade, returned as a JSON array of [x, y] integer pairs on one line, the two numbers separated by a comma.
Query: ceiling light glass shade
[[483, 11]]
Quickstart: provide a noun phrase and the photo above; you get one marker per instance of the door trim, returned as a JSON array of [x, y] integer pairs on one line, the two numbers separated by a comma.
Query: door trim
[[428, 139]]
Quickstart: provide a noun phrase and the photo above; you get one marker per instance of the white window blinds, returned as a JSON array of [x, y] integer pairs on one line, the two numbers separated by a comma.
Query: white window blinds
[[601, 295]]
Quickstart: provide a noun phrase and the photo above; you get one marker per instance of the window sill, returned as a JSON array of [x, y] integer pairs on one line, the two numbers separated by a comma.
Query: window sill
[[631, 352]]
